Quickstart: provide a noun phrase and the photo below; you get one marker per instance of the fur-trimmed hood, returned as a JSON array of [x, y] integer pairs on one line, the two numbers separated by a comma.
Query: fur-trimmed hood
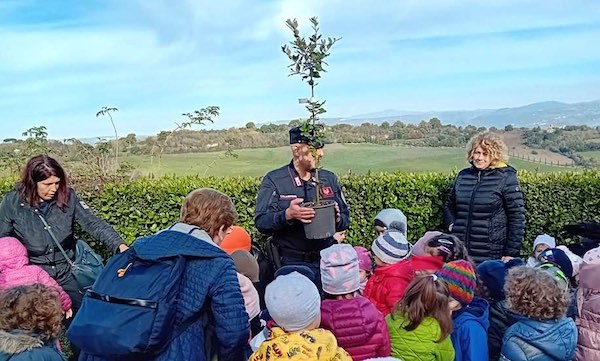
[[16, 342]]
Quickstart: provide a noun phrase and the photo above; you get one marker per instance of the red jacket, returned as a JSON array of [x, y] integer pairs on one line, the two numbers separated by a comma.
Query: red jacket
[[15, 270], [358, 327], [387, 285]]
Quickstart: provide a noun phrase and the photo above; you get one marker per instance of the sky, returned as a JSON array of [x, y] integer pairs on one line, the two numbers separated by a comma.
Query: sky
[[62, 60]]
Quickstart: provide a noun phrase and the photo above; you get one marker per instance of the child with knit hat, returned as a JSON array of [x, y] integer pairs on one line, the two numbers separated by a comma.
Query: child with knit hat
[[469, 313], [421, 322], [365, 266], [391, 219], [294, 304], [395, 268], [357, 325], [491, 275], [541, 331], [540, 244], [238, 238]]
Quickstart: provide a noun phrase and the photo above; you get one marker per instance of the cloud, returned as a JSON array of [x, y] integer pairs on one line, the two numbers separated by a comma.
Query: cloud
[[156, 59]]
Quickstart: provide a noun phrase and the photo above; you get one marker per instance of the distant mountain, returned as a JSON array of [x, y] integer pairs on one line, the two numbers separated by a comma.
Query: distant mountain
[[543, 114]]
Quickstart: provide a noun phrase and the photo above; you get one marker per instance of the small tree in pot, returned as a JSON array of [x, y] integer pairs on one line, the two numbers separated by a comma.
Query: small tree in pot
[[308, 61]]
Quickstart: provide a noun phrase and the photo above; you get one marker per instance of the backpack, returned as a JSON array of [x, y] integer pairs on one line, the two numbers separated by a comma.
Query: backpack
[[129, 313]]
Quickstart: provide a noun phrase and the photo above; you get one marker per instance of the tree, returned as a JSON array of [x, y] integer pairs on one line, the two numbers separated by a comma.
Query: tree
[[509, 128], [308, 61], [106, 111], [250, 125]]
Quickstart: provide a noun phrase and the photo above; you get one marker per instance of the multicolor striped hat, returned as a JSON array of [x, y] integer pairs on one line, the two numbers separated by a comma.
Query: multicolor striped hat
[[460, 277]]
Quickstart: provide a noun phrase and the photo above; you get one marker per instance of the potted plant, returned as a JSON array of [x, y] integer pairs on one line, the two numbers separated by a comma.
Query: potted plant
[[308, 61]]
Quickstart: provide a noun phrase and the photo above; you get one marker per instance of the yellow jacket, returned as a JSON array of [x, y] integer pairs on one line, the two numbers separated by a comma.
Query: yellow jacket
[[318, 344]]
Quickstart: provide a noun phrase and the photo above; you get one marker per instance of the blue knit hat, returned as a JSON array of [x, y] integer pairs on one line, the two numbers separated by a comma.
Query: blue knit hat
[[493, 275]]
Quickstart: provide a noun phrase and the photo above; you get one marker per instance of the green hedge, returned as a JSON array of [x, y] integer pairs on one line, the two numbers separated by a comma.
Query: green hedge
[[145, 206]]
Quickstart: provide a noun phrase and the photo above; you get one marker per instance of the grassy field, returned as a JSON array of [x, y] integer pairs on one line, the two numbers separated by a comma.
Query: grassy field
[[340, 158], [592, 154]]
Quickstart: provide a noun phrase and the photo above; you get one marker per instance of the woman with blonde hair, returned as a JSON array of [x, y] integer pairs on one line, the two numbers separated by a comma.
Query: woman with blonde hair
[[485, 206]]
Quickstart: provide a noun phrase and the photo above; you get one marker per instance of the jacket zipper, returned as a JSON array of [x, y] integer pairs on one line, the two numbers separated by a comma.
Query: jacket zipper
[[468, 234]]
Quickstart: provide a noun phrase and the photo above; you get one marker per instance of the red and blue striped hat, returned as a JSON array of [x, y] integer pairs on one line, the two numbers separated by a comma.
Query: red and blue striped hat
[[460, 277]]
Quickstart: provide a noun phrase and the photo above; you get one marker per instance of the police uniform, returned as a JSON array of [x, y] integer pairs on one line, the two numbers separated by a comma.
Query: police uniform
[[278, 188]]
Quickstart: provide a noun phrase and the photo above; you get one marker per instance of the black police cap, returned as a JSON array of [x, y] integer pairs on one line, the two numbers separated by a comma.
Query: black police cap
[[296, 137]]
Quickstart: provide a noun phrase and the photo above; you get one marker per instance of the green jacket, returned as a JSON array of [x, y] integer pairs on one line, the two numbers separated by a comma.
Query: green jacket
[[419, 344]]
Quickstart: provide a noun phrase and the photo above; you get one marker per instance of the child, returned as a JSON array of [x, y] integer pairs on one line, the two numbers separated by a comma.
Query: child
[[365, 266], [294, 304], [30, 322], [540, 244], [469, 314], [420, 324], [588, 306], [395, 268], [237, 239], [447, 246], [15, 270], [247, 272], [491, 275], [391, 218], [357, 325], [542, 331], [558, 263]]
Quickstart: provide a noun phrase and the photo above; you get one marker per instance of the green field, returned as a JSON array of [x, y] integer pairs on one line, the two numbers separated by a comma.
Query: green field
[[340, 158], [592, 154]]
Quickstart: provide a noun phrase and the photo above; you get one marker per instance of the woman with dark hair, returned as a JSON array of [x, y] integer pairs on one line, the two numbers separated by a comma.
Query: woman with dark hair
[[485, 207], [43, 190]]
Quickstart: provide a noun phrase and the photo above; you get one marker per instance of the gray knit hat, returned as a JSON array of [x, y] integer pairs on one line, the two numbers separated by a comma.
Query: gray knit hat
[[391, 247], [392, 218], [339, 269], [293, 301]]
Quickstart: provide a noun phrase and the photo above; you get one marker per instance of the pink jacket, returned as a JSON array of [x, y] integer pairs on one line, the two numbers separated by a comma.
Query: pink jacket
[[588, 318], [358, 327], [16, 271]]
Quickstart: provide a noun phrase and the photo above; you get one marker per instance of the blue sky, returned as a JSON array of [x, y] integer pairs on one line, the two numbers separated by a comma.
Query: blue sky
[[61, 61]]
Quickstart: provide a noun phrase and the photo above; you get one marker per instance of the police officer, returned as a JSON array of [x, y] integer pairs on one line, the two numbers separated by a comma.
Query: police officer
[[279, 211]]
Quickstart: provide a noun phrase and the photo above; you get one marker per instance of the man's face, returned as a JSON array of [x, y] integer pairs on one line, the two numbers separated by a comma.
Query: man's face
[[304, 157]]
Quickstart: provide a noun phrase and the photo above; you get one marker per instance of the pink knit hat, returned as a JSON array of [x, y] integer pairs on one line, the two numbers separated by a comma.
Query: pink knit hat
[[364, 259]]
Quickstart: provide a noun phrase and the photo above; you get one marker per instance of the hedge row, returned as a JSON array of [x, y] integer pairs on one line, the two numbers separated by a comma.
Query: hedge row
[[145, 206]]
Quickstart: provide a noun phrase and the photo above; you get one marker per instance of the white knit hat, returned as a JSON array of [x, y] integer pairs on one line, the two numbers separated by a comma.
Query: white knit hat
[[293, 301], [391, 247]]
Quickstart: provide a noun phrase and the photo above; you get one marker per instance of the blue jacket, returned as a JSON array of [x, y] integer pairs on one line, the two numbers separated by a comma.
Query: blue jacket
[[20, 346], [469, 337], [210, 276], [540, 340], [276, 191]]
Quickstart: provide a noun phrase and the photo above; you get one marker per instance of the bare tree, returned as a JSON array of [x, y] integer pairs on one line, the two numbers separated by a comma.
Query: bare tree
[[106, 111]]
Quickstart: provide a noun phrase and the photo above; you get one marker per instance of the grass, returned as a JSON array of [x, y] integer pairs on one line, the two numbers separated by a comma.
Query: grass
[[340, 158], [591, 154]]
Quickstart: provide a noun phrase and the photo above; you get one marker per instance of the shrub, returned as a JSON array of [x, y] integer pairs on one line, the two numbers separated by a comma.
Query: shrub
[[145, 206]]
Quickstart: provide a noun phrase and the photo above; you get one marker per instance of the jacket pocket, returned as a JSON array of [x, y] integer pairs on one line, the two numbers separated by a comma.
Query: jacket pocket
[[497, 230]]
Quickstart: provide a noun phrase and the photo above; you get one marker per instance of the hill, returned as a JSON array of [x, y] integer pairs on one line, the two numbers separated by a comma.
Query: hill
[[544, 114]]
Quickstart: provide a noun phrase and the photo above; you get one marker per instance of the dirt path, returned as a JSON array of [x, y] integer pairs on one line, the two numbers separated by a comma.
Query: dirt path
[[514, 142]]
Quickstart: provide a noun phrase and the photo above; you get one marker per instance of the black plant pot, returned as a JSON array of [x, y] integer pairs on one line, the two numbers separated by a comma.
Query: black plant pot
[[323, 225]]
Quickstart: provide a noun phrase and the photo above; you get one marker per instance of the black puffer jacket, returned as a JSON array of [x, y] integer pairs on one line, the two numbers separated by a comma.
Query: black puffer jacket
[[486, 210]]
